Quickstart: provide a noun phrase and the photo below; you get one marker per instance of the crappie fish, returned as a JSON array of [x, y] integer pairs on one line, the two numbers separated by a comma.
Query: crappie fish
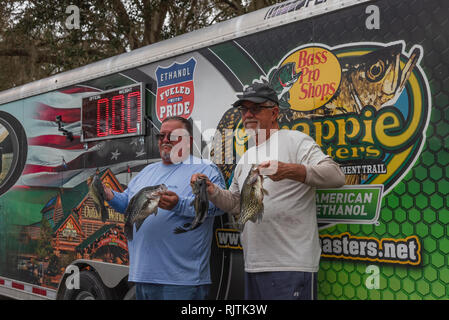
[[141, 205], [96, 192], [372, 79], [251, 199], [222, 147], [201, 205]]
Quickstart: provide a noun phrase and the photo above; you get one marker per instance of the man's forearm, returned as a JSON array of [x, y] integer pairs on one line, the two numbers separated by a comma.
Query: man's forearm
[[326, 174], [225, 200]]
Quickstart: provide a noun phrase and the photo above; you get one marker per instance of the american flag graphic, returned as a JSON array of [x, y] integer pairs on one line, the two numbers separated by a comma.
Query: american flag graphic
[[55, 161]]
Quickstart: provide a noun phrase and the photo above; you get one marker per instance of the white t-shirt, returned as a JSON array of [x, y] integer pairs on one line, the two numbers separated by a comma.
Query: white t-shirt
[[287, 238]]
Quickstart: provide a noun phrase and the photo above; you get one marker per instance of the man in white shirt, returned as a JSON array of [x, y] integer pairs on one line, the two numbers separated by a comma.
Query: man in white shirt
[[282, 252]]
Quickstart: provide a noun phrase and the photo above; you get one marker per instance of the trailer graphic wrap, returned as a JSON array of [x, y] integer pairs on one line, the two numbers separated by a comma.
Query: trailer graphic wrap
[[306, 79], [372, 123], [346, 246], [376, 100], [378, 126], [175, 90], [349, 204], [367, 105], [70, 228]]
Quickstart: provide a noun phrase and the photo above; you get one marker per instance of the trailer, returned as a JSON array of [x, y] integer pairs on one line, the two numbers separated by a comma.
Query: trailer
[[367, 79]]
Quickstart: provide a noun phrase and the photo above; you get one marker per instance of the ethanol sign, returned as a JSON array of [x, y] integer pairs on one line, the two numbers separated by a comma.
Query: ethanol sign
[[356, 204]]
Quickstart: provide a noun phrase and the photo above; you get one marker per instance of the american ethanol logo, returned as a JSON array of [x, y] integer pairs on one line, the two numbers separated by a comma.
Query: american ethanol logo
[[349, 204]]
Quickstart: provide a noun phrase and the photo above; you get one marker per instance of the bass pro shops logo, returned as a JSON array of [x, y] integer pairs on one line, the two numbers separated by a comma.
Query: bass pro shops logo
[[175, 90], [366, 104]]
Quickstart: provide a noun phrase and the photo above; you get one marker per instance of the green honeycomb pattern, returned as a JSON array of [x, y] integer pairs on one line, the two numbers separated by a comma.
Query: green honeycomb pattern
[[418, 205]]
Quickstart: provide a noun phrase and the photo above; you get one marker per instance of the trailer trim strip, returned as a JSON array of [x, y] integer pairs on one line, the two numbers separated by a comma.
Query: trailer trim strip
[[25, 288]]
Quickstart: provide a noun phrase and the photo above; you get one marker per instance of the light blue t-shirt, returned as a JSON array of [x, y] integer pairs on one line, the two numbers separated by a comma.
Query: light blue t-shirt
[[157, 255]]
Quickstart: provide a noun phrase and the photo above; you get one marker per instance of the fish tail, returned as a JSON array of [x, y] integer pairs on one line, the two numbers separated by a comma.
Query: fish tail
[[128, 231], [260, 217], [182, 229], [257, 217], [104, 213], [179, 230]]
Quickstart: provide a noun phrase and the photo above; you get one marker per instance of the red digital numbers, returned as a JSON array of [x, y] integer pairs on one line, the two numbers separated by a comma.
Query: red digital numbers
[[133, 96], [113, 113], [118, 104], [102, 116], [118, 114]]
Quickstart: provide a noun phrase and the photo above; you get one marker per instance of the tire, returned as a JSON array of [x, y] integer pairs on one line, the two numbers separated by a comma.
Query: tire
[[18, 146], [91, 288]]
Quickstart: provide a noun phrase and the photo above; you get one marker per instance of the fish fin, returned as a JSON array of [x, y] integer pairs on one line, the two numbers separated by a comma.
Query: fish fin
[[148, 212], [139, 224], [240, 226], [182, 229], [265, 191], [257, 217], [128, 231]]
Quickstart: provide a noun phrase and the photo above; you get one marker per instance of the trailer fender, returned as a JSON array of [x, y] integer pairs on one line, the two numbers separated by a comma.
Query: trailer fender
[[110, 274]]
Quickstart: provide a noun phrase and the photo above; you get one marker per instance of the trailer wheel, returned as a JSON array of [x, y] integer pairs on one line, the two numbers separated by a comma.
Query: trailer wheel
[[91, 288], [15, 147]]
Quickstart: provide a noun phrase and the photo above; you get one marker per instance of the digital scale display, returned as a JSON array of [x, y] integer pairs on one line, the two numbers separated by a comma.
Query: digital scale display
[[113, 114]]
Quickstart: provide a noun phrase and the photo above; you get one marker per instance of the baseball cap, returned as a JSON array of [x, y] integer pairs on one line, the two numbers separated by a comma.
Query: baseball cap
[[258, 93]]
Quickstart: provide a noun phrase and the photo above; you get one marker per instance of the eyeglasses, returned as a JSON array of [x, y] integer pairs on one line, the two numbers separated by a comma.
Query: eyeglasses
[[254, 110], [170, 136]]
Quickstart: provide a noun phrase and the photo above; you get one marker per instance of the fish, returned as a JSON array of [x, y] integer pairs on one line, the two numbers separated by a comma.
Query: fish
[[282, 80], [201, 205], [96, 192], [141, 205], [222, 147], [372, 79], [251, 199]]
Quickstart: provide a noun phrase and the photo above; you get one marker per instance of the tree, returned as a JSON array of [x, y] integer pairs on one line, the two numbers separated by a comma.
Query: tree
[[35, 41], [44, 246]]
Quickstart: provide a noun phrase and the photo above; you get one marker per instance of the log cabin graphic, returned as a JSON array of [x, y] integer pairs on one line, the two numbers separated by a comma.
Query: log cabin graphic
[[73, 226]]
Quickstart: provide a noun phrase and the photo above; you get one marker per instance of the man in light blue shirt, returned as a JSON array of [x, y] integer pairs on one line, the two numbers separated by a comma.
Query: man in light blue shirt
[[165, 265]]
